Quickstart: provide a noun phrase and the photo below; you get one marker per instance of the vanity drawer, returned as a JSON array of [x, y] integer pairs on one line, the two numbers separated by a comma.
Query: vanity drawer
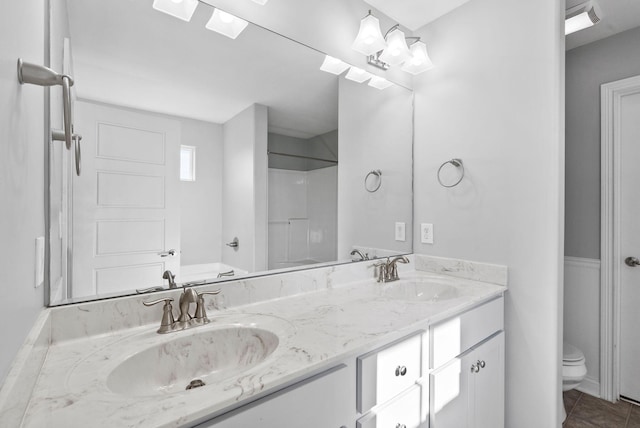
[[404, 411], [454, 336], [386, 372]]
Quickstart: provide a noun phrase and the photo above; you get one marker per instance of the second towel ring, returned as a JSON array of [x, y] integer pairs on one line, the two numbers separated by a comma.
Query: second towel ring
[[377, 173], [458, 164]]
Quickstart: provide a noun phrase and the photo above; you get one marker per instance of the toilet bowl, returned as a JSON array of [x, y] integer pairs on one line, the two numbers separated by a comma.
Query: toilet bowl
[[574, 369]]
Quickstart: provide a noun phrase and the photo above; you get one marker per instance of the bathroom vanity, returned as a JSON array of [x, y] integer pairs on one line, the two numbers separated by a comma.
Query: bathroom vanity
[[321, 348], [410, 382]]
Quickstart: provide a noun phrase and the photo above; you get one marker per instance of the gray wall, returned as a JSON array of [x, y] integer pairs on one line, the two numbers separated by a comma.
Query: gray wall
[[588, 67], [22, 165]]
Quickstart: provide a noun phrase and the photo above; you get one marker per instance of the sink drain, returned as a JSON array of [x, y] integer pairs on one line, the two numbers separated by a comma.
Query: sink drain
[[196, 383]]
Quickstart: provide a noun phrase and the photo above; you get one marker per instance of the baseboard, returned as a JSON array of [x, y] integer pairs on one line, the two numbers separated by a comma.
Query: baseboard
[[590, 386], [582, 262]]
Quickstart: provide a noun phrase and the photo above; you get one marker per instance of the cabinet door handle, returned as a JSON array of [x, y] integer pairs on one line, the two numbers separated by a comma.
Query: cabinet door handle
[[401, 371], [399, 425], [481, 363], [475, 368]]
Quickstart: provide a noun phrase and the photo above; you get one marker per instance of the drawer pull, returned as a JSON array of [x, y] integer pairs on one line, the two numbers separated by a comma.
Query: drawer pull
[[481, 363], [401, 371], [399, 425], [475, 368]]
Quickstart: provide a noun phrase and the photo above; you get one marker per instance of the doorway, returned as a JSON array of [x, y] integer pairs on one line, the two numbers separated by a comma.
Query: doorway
[[620, 240]]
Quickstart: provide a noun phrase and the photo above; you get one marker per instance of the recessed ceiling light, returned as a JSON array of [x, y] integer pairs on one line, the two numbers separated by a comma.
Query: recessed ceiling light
[[358, 75], [379, 82], [226, 24], [333, 65], [181, 9]]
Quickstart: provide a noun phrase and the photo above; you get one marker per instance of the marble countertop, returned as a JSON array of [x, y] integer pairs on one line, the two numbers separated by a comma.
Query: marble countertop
[[315, 330]]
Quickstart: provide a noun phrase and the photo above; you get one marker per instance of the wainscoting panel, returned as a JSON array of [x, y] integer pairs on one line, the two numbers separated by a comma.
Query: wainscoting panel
[[582, 315]]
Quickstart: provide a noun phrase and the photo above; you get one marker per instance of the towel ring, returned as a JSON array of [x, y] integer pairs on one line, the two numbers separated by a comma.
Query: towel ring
[[458, 164], [377, 173]]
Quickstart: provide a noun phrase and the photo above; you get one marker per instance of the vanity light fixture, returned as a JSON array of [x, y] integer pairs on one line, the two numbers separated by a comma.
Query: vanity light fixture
[[369, 39], [181, 9], [391, 49], [397, 50], [358, 75], [333, 65], [379, 82], [581, 16], [419, 60], [226, 24]]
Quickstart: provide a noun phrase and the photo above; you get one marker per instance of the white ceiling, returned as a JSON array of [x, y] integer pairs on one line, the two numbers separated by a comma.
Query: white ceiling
[[126, 53], [414, 14], [617, 16]]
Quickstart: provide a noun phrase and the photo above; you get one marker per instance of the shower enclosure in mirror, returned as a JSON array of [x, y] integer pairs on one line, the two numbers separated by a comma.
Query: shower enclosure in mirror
[[213, 158]]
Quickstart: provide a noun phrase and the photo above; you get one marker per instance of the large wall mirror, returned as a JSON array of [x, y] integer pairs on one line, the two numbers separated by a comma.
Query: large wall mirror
[[214, 158]]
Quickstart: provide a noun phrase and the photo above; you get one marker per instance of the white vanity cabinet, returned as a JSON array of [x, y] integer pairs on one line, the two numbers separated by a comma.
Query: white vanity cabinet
[[322, 401], [467, 390], [449, 375]]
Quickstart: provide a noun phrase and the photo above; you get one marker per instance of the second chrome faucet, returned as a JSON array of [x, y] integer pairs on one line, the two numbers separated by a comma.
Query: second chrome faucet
[[185, 319]]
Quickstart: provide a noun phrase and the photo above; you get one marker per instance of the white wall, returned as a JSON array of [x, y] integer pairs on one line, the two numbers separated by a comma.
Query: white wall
[[201, 209], [244, 190], [495, 100], [375, 132], [22, 169], [589, 66]]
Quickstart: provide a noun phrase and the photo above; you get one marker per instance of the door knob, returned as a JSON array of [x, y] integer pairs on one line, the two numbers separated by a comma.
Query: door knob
[[632, 261]]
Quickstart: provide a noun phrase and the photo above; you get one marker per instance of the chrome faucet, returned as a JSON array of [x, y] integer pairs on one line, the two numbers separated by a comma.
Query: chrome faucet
[[387, 271], [362, 257], [185, 320], [171, 277]]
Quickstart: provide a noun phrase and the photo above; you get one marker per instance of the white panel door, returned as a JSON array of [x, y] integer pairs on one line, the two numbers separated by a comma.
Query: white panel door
[[629, 121], [125, 204]]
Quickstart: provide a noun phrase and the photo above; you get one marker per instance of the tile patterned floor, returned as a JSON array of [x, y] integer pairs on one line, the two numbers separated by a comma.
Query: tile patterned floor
[[585, 411]]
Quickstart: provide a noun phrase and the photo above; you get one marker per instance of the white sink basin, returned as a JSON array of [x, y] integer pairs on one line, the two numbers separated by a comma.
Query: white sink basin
[[422, 290], [208, 356]]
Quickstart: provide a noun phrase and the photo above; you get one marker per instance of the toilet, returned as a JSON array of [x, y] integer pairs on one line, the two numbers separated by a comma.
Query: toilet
[[574, 369]]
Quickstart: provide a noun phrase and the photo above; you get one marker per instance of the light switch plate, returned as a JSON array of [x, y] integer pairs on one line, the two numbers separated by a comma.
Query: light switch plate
[[39, 265], [400, 231], [426, 233]]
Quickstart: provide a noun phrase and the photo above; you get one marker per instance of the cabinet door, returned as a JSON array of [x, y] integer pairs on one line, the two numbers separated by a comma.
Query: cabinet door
[[486, 387], [449, 389], [468, 391], [324, 401]]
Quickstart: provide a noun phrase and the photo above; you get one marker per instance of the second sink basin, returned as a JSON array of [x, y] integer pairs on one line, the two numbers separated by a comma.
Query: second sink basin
[[429, 290], [205, 357]]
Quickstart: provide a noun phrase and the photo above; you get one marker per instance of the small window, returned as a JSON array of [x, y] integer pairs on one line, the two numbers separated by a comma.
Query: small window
[[187, 163]]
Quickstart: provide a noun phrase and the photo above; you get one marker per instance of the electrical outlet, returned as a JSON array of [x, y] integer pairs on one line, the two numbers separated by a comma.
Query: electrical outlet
[[400, 231], [426, 233], [39, 265]]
